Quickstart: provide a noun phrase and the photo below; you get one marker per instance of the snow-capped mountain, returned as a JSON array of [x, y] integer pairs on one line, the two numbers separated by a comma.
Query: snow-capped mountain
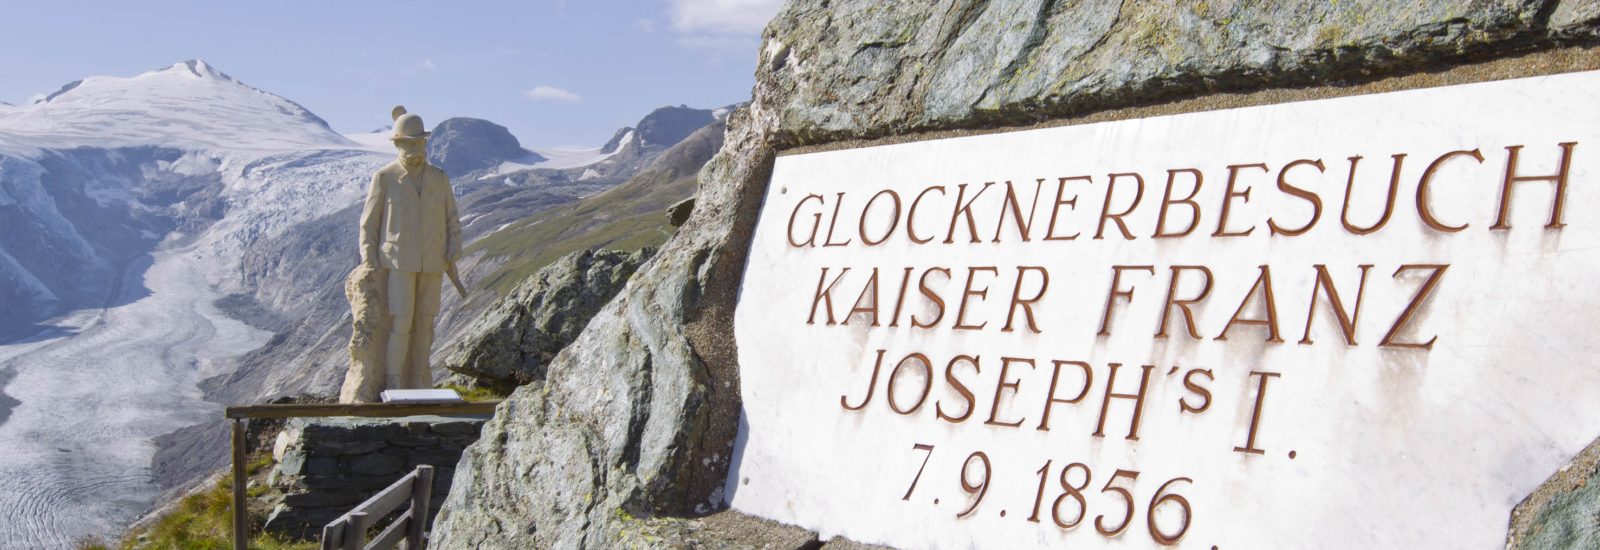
[[99, 172], [189, 105]]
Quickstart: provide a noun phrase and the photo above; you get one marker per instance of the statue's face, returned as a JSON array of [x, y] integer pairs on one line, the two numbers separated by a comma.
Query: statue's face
[[412, 151]]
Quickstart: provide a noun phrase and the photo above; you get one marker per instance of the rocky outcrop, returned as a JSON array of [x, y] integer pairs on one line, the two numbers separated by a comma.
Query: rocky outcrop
[[515, 340], [325, 466], [367, 289], [667, 126], [462, 145], [1564, 512], [638, 415]]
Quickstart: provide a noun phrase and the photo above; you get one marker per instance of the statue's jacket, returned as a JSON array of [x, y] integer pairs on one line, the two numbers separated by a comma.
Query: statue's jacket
[[411, 225]]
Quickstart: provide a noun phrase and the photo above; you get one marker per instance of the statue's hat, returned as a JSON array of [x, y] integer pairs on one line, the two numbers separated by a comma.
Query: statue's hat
[[407, 126]]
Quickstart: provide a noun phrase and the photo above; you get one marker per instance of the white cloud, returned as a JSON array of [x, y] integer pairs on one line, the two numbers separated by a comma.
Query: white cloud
[[427, 64], [552, 93], [645, 25], [723, 16]]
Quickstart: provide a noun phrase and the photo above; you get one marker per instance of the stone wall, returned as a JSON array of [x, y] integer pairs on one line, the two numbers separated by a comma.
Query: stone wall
[[325, 466], [638, 416]]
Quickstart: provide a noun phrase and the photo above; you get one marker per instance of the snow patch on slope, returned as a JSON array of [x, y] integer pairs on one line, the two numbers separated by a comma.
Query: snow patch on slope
[[377, 140], [561, 159]]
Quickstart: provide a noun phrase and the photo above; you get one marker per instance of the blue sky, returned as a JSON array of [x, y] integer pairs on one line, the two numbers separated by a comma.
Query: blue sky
[[557, 73]]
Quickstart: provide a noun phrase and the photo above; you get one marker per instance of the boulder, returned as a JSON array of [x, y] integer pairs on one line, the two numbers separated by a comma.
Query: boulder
[[637, 417], [367, 288], [513, 343]]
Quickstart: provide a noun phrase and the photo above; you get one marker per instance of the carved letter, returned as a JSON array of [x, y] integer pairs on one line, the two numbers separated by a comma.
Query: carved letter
[[961, 312], [869, 295], [911, 215], [894, 220], [1166, 201], [1050, 397], [837, 206], [1308, 196], [825, 295], [1423, 208], [872, 386], [1255, 417], [1347, 322], [1025, 229], [1559, 178], [966, 394], [965, 209], [1228, 194], [1001, 385], [1026, 305], [1127, 295], [938, 303], [815, 224], [1183, 305], [927, 383], [1138, 401], [1196, 389], [1105, 209], [1264, 282], [1422, 294], [1061, 189], [900, 298], [1388, 206]]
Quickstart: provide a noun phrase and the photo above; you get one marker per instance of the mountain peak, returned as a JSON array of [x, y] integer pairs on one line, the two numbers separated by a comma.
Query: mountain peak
[[198, 68], [189, 103]]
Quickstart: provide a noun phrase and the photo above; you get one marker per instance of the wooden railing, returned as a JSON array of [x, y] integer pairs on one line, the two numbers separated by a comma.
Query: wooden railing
[[349, 532], [242, 414]]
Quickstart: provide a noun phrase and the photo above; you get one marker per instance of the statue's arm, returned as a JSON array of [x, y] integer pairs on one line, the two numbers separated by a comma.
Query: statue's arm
[[372, 223], [452, 247]]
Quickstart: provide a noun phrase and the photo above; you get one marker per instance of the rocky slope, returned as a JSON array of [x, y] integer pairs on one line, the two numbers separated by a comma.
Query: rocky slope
[[637, 417]]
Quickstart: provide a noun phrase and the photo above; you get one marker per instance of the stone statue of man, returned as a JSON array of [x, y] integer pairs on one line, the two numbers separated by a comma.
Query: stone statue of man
[[410, 239]]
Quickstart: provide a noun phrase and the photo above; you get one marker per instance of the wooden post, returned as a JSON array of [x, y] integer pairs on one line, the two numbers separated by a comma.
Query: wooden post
[[241, 529], [333, 536], [421, 493], [355, 531]]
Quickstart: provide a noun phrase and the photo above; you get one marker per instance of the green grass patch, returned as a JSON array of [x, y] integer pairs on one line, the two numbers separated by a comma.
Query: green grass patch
[[625, 218], [475, 394], [204, 521]]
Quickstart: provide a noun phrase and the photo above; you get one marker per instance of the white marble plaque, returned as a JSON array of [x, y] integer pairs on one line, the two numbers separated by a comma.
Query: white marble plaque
[[1366, 322]]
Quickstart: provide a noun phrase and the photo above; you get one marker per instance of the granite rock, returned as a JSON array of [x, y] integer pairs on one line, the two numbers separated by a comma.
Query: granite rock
[[1564, 512], [513, 343], [637, 416]]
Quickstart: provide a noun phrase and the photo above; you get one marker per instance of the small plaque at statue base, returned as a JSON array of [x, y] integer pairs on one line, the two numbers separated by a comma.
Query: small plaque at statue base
[[421, 396]]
